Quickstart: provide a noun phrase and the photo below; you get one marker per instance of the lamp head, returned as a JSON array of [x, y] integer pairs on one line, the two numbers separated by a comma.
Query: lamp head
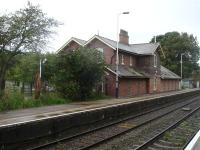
[[44, 61], [126, 12]]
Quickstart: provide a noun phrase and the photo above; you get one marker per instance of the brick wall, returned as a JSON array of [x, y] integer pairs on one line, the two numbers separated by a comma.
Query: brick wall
[[108, 53], [127, 59], [169, 85], [146, 63], [132, 87], [71, 46], [110, 84], [163, 85]]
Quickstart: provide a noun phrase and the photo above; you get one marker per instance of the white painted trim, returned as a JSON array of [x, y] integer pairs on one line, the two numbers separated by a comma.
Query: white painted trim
[[155, 60], [131, 60], [110, 70], [88, 109], [154, 83], [193, 142], [122, 57], [69, 41], [160, 49], [96, 37]]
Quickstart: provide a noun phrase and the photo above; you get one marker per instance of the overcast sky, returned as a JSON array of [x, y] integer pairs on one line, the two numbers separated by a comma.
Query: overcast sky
[[85, 18]]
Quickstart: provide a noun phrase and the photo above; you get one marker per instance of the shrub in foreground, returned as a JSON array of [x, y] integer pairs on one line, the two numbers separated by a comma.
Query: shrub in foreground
[[78, 72], [17, 101]]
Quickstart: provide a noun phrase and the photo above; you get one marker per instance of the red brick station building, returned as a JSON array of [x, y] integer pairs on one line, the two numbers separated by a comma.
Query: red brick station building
[[140, 71]]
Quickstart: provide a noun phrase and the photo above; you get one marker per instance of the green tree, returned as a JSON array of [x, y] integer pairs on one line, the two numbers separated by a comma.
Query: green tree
[[78, 72], [25, 30], [25, 68], [49, 70], [174, 44]]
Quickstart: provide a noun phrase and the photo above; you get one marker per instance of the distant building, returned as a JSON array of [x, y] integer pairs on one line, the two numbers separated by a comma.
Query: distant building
[[140, 71], [190, 83]]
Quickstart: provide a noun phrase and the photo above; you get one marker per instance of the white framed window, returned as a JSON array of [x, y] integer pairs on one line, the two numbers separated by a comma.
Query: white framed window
[[100, 49], [154, 84], [155, 61], [122, 57], [131, 61]]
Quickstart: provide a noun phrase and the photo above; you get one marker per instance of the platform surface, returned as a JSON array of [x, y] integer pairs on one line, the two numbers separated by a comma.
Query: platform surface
[[194, 144], [26, 115]]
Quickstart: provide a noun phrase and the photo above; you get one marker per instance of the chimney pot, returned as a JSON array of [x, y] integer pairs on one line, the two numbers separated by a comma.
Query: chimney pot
[[123, 37]]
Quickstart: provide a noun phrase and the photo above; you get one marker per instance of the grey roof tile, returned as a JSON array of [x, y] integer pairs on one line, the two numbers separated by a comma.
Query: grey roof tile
[[167, 74], [125, 71], [140, 49], [145, 48], [82, 42], [79, 41]]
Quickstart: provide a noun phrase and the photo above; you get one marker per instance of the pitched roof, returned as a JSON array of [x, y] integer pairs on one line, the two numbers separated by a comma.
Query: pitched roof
[[78, 41], [140, 49], [145, 48], [167, 74], [125, 71], [129, 72]]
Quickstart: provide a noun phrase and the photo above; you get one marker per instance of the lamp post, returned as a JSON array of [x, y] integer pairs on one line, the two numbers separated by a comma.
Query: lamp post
[[42, 62], [181, 67], [183, 54], [117, 57], [37, 82]]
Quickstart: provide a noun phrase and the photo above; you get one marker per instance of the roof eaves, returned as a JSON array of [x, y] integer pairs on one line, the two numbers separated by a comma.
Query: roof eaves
[[110, 70], [78, 41], [162, 51], [172, 78], [136, 77], [157, 46], [70, 40], [100, 39]]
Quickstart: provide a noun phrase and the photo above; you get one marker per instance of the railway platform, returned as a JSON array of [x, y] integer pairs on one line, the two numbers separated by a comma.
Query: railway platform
[[33, 114], [194, 144], [27, 128]]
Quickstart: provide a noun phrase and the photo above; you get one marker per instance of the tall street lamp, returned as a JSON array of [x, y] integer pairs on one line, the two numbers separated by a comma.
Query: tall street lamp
[[183, 54], [117, 57], [42, 62], [182, 68]]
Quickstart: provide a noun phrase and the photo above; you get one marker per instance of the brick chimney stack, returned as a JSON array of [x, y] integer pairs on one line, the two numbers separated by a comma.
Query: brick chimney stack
[[123, 37]]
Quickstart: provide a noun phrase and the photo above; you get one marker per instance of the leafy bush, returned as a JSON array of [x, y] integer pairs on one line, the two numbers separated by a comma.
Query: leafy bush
[[12, 101], [17, 101], [78, 72], [49, 99]]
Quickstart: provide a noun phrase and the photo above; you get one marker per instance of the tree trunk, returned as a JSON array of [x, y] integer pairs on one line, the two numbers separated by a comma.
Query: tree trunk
[[3, 70], [2, 85], [37, 85]]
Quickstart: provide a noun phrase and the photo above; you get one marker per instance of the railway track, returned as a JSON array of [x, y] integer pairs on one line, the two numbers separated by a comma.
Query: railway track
[[177, 135], [96, 137]]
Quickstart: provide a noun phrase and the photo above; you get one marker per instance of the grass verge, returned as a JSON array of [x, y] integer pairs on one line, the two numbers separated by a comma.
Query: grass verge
[[18, 101]]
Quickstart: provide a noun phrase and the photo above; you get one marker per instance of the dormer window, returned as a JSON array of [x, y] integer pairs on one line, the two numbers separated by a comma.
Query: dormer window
[[122, 59], [155, 60]]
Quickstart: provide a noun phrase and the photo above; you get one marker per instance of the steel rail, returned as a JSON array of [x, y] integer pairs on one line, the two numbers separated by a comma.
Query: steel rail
[[156, 137], [114, 123]]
